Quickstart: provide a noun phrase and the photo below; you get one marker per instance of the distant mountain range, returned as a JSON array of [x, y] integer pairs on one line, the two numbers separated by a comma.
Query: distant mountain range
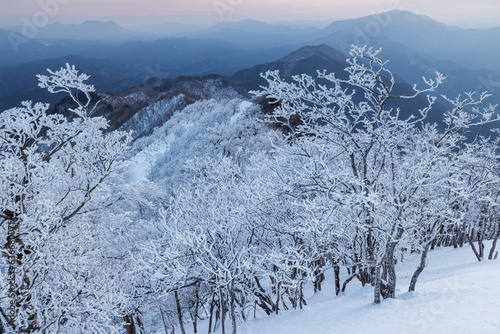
[[118, 59], [87, 31], [471, 48], [257, 27], [155, 102], [310, 59], [169, 29], [307, 59], [19, 83]]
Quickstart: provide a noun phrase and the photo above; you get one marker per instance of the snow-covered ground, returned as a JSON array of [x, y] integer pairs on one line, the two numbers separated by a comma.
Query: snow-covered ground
[[454, 294], [201, 130]]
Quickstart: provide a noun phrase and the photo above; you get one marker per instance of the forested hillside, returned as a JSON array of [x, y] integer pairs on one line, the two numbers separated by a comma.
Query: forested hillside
[[222, 207], [258, 176]]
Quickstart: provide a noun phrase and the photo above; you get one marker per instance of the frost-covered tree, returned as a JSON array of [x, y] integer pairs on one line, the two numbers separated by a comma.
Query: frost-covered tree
[[304, 231], [476, 196], [204, 129], [206, 236], [60, 198], [376, 168], [211, 133]]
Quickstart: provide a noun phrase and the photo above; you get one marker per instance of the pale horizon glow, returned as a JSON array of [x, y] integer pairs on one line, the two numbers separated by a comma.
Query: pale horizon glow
[[464, 13]]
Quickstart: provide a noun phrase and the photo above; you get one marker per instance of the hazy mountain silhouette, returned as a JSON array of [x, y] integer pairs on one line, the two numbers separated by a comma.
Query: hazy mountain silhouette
[[258, 27], [169, 29], [172, 57], [310, 59], [472, 48], [88, 30], [415, 45], [19, 83], [15, 48], [305, 60]]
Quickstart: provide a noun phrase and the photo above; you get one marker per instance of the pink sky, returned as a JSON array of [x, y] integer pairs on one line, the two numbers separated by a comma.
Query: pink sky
[[468, 13]]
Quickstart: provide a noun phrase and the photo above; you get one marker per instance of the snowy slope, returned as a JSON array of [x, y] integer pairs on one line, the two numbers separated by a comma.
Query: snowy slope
[[174, 95], [455, 294], [200, 130]]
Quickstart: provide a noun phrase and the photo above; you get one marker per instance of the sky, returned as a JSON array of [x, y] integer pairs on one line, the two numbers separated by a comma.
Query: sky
[[464, 13]]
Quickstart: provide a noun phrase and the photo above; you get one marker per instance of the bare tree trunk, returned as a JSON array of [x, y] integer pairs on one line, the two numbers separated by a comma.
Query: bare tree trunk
[[196, 306], [480, 244], [222, 311], [494, 245], [242, 304], [129, 326], [278, 286], [336, 269], [233, 313], [319, 276], [265, 301], [217, 317], [366, 276], [301, 296], [179, 312], [473, 247], [389, 261], [423, 260], [285, 307], [140, 324], [295, 299], [455, 240], [390, 288], [164, 323], [350, 278], [433, 244], [461, 238], [212, 306], [378, 283]]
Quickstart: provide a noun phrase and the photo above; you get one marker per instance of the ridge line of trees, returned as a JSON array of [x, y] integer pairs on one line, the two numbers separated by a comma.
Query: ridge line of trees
[[347, 184]]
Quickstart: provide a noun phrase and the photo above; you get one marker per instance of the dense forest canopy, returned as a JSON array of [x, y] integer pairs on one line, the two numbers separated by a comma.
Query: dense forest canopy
[[237, 204]]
